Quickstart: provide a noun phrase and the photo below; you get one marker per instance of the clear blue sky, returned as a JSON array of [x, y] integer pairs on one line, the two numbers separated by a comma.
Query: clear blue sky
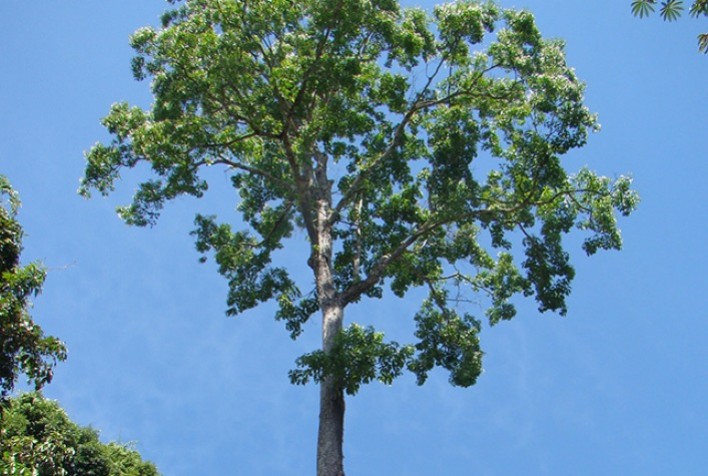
[[619, 386]]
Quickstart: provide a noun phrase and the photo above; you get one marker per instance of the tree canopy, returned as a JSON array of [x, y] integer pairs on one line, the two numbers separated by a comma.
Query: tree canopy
[[38, 438], [671, 10], [412, 149], [24, 349]]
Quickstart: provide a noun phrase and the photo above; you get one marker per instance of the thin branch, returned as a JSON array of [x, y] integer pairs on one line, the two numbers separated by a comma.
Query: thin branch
[[229, 143], [353, 292], [303, 192], [247, 168], [525, 204], [277, 225], [356, 261], [310, 70], [416, 106], [523, 230]]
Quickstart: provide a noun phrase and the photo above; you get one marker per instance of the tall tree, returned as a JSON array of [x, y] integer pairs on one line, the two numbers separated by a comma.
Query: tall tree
[[671, 10], [24, 349], [415, 150]]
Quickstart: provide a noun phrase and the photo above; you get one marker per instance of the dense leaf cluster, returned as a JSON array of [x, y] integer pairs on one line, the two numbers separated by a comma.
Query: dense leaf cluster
[[24, 349], [359, 356], [414, 149], [37, 438]]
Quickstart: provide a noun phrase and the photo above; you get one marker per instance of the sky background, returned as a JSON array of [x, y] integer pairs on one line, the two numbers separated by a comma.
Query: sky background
[[618, 386]]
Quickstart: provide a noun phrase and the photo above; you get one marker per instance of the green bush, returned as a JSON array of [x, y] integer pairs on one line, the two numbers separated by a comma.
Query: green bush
[[38, 439]]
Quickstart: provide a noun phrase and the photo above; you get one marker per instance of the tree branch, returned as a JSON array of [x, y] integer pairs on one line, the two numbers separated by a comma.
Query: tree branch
[[416, 106], [281, 219], [354, 291], [247, 168], [303, 191]]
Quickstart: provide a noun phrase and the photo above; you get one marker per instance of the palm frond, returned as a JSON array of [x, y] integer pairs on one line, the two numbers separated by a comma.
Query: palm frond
[[699, 8], [671, 10], [703, 42], [643, 8]]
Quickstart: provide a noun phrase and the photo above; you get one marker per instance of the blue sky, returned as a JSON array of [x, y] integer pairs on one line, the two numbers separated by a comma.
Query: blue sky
[[618, 386]]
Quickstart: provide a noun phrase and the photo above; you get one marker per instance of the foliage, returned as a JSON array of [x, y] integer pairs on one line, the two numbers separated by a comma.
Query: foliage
[[671, 10], [359, 357], [412, 149], [37, 438], [23, 347]]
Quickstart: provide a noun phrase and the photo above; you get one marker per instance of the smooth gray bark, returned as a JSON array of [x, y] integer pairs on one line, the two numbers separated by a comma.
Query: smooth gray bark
[[330, 437]]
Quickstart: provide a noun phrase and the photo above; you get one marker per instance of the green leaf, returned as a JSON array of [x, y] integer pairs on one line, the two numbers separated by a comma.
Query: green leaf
[[699, 8], [671, 10], [24, 349], [643, 8], [703, 42], [448, 340], [37, 437], [358, 357]]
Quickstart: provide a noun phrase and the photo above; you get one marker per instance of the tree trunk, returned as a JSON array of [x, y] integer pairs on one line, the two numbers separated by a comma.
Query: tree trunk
[[330, 457], [330, 437]]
